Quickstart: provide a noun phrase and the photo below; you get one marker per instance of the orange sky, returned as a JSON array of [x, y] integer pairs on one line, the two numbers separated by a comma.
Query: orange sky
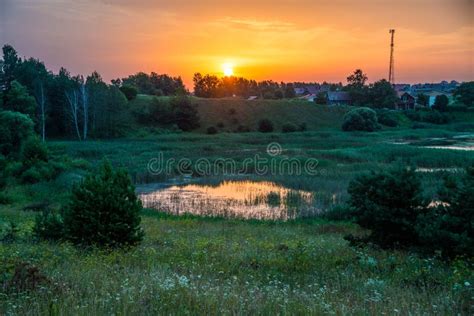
[[300, 40]]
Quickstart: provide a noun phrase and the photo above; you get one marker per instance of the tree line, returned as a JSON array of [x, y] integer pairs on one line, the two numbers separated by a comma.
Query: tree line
[[210, 86], [77, 106]]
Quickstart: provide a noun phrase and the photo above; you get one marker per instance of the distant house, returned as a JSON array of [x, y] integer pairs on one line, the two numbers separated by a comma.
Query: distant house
[[253, 97], [432, 97], [339, 97], [406, 100], [307, 89]]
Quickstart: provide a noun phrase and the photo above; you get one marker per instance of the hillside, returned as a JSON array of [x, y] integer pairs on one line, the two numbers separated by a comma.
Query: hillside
[[228, 114]]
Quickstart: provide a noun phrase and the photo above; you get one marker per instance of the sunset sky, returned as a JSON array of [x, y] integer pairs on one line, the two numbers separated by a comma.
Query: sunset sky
[[299, 40]]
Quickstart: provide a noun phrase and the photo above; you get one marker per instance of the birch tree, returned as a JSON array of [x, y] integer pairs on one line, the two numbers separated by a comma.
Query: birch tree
[[73, 100]]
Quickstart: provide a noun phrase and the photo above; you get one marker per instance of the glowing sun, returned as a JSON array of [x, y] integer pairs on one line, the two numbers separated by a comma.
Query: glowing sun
[[228, 69]]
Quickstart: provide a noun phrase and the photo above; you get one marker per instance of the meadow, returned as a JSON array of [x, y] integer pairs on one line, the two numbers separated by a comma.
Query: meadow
[[207, 265]]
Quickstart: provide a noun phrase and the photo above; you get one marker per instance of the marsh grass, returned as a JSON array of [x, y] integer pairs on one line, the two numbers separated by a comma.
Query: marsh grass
[[192, 265]]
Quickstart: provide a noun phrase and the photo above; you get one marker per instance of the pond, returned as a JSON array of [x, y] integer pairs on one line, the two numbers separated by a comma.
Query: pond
[[232, 199]]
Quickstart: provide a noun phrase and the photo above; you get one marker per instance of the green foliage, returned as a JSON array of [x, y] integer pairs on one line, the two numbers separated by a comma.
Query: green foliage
[[441, 103], [360, 119], [290, 91], [422, 99], [357, 88], [10, 234], [159, 111], [449, 226], [104, 210], [435, 117], [428, 116], [5, 198], [34, 151], [155, 84], [321, 98], [265, 126], [387, 118], [388, 204], [9, 64], [278, 94], [382, 95], [212, 130], [40, 171], [49, 225], [465, 93], [15, 128], [130, 92], [185, 113], [17, 99]]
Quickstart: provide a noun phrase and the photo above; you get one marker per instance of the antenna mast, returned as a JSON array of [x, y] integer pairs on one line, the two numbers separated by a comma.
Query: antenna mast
[[391, 72]]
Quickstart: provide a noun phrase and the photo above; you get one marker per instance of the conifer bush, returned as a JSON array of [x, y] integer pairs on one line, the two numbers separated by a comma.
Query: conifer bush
[[388, 203], [104, 210], [449, 227]]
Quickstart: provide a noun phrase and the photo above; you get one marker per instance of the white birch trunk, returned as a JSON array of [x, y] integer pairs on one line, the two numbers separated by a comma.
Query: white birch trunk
[[73, 100]]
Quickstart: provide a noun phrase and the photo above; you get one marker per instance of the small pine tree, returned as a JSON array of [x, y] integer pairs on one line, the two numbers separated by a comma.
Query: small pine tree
[[449, 227], [104, 210], [388, 204]]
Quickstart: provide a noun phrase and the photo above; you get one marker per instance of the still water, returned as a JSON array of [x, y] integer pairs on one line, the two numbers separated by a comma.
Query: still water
[[232, 199]]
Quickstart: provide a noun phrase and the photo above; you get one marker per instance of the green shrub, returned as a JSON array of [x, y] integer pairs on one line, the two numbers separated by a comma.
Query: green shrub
[[129, 92], [265, 126], [413, 115], [5, 198], [387, 118], [104, 210], [388, 204], [41, 171], [441, 103], [427, 116], [212, 130], [32, 175], [33, 151], [449, 227], [49, 225], [11, 233], [185, 114], [435, 117], [302, 127], [361, 119], [289, 128], [15, 128]]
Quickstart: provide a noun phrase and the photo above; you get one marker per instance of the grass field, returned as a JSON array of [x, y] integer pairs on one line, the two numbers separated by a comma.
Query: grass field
[[213, 266], [191, 265]]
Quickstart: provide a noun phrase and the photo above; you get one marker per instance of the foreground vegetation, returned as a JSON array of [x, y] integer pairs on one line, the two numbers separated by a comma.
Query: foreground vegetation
[[190, 265]]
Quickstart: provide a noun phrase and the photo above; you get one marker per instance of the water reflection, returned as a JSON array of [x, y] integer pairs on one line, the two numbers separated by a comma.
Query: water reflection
[[241, 199]]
